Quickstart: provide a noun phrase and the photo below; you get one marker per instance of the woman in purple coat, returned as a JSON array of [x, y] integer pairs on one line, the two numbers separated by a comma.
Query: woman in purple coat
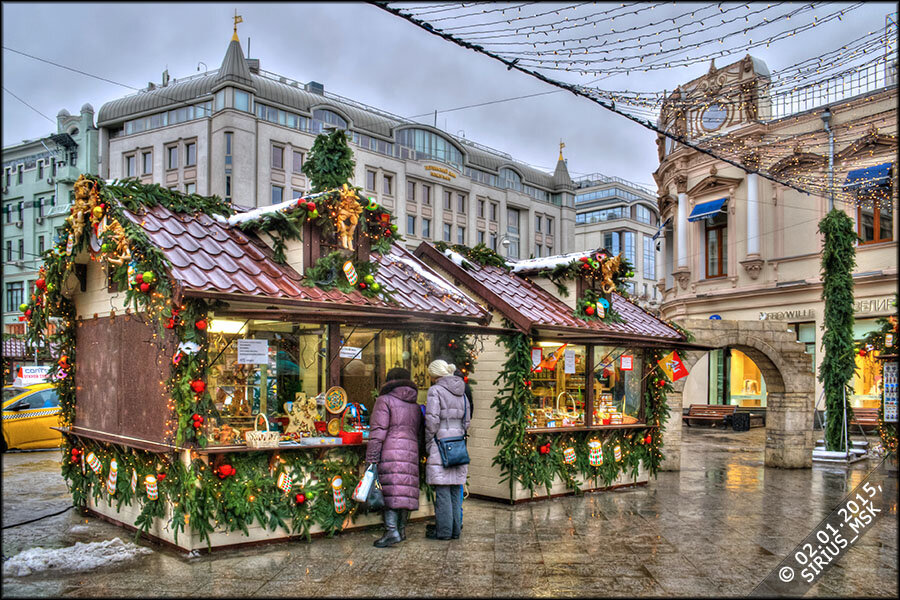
[[394, 448]]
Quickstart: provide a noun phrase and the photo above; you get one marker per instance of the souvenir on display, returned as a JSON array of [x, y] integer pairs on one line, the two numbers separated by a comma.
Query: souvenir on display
[[285, 482], [151, 487], [113, 475], [337, 489], [569, 456], [595, 453], [617, 452], [334, 427], [94, 462], [335, 400]]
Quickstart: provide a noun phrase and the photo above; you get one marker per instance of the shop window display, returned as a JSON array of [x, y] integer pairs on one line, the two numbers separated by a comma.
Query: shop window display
[[748, 387], [557, 385], [617, 385], [866, 381]]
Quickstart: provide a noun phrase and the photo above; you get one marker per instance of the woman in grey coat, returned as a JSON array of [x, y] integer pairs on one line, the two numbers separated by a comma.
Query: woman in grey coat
[[446, 415]]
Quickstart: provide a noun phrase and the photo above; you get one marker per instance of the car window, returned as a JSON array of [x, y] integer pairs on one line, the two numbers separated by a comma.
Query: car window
[[43, 399], [11, 392]]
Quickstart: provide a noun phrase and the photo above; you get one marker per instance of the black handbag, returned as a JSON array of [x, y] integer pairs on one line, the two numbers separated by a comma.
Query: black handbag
[[375, 500], [453, 450]]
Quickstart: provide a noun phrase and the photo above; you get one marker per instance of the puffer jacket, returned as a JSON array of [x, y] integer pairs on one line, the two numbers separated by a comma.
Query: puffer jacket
[[394, 443], [446, 415]]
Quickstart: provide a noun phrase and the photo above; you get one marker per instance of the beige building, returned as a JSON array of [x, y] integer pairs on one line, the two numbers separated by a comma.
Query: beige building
[[621, 216], [243, 133], [741, 247]]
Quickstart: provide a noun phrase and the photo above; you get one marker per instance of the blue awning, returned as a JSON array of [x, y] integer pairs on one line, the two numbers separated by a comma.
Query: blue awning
[[862, 179], [706, 209]]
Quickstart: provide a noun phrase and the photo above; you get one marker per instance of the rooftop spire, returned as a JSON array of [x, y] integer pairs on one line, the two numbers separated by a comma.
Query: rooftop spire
[[561, 146], [237, 19]]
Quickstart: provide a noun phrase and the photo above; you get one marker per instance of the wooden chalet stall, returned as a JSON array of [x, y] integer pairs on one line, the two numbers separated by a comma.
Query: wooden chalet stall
[[170, 376], [581, 401]]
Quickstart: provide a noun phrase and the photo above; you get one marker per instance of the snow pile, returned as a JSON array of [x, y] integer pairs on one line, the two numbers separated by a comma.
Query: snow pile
[[548, 262], [80, 557], [456, 257], [435, 280]]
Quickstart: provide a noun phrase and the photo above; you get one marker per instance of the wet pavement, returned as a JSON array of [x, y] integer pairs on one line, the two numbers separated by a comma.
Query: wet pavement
[[717, 528]]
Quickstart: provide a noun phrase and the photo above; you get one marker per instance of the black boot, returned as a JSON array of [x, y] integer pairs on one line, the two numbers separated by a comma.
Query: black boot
[[401, 523], [391, 535]]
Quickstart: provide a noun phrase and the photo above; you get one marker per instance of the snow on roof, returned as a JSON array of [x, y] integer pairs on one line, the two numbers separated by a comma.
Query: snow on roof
[[436, 281], [256, 213], [548, 262], [457, 258]]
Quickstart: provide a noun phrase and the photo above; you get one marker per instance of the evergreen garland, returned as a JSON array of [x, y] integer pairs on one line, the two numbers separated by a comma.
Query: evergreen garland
[[479, 254], [328, 274], [460, 348], [519, 452], [838, 262]]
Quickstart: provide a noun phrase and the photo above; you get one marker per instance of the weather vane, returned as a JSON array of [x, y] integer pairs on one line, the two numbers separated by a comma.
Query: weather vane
[[561, 146], [237, 19]]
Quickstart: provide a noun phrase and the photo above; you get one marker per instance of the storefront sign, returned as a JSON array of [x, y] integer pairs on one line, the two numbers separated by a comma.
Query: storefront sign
[[440, 172], [31, 375], [626, 362], [569, 362], [252, 352], [799, 314], [350, 352], [876, 305]]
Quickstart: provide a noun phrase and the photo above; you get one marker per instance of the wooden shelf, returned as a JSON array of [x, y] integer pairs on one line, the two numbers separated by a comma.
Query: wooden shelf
[[583, 428], [243, 448]]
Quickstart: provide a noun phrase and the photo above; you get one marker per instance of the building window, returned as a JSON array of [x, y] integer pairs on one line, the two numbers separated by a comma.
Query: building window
[[481, 204], [21, 249], [277, 194], [228, 189], [448, 200], [297, 163], [220, 99], [510, 179], [15, 295], [420, 144], [629, 247], [242, 100], [172, 159], [537, 250], [460, 235], [190, 154], [549, 226], [229, 144], [130, 165], [410, 191], [717, 246], [9, 255], [512, 230], [874, 224], [461, 203], [479, 237], [19, 170], [40, 170], [426, 228], [190, 188], [370, 180], [649, 266], [448, 230], [493, 241], [7, 174], [611, 242], [495, 209], [21, 208], [41, 246], [147, 163], [277, 157], [642, 214], [410, 225], [537, 224], [388, 186], [426, 195], [8, 210], [549, 250], [40, 204]]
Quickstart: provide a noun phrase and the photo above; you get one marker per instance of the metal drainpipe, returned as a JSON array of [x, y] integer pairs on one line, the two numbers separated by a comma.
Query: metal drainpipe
[[826, 118]]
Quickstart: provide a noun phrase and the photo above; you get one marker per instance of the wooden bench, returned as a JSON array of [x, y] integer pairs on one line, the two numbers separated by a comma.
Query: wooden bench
[[865, 417], [715, 413]]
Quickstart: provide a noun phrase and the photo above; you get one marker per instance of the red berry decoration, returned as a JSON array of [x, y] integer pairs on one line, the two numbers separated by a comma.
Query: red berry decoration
[[199, 386], [660, 383], [362, 285], [170, 324], [40, 283], [300, 498], [139, 278], [310, 206], [862, 351], [145, 287], [201, 324], [28, 314], [545, 449], [648, 439], [466, 379]]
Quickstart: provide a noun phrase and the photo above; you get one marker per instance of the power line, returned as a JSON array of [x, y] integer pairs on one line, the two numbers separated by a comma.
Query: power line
[[28, 105], [74, 70]]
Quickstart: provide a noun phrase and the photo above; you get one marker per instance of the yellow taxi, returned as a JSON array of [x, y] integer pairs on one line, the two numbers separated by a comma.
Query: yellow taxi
[[28, 414]]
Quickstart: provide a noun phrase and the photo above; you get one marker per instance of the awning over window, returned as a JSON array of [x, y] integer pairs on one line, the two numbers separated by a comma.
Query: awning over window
[[706, 209], [863, 179]]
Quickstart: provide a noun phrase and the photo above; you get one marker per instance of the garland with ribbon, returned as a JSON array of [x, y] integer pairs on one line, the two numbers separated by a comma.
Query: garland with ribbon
[[537, 459]]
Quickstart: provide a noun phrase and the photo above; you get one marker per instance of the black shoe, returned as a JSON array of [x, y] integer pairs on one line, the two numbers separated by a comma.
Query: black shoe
[[391, 535]]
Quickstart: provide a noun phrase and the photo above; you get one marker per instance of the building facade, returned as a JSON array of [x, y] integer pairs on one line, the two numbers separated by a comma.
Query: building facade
[[743, 248], [621, 216], [243, 133], [38, 176]]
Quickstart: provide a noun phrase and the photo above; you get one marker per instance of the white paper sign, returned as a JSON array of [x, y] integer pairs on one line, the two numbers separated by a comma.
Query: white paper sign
[[536, 356], [626, 362], [570, 361], [350, 352], [252, 352]]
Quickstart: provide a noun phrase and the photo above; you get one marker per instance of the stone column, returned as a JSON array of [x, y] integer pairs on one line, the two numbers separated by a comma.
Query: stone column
[[789, 433], [682, 272], [671, 437], [752, 215]]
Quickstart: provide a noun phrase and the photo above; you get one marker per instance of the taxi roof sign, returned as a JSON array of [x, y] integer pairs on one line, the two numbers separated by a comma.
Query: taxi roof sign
[[31, 375]]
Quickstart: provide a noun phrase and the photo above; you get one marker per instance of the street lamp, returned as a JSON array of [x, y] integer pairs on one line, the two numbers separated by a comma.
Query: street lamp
[[826, 118], [505, 242]]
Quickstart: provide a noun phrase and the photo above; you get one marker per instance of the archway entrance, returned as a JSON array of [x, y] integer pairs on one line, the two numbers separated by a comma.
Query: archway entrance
[[726, 376], [783, 367]]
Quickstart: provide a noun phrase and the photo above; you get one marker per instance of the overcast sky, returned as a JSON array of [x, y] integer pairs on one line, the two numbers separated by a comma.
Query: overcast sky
[[357, 51]]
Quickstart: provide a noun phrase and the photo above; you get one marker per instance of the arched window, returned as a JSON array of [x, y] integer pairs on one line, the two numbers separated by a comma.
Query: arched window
[[429, 145], [322, 117], [510, 179]]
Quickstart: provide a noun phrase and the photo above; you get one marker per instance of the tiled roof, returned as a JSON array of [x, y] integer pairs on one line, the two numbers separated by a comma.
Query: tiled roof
[[209, 256], [530, 306]]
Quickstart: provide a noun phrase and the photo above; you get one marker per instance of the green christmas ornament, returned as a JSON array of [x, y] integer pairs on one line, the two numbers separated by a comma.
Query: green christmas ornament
[[23, 307], [372, 205], [394, 228], [106, 247], [376, 286], [50, 287], [595, 264], [149, 276], [630, 274], [369, 279], [314, 214]]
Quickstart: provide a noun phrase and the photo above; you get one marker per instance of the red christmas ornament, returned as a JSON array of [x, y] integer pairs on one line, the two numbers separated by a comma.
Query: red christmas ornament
[[199, 386], [589, 310], [310, 206], [545, 449], [170, 324], [648, 439], [300, 498], [466, 378], [862, 351], [139, 278], [160, 476], [201, 324], [660, 383], [527, 382], [40, 283], [28, 314], [362, 285], [145, 287], [584, 259]]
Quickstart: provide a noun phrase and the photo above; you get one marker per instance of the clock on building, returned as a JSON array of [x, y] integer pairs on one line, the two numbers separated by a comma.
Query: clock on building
[[713, 117]]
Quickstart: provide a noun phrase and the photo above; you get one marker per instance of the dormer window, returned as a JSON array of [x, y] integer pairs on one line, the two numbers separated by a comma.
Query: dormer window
[[323, 117], [426, 145], [510, 179]]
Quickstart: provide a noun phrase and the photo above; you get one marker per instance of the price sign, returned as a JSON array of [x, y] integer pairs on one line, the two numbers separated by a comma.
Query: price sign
[[569, 362], [537, 355], [252, 352], [350, 352], [626, 362]]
